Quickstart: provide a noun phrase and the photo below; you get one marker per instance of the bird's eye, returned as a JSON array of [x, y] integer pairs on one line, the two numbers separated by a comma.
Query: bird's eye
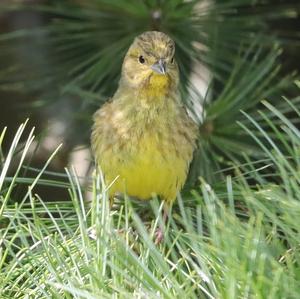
[[141, 59], [172, 60]]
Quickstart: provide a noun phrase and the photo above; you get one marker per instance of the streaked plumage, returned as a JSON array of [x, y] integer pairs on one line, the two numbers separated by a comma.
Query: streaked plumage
[[143, 135]]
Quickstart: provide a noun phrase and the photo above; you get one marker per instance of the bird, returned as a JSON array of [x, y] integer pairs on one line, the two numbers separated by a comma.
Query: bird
[[143, 138]]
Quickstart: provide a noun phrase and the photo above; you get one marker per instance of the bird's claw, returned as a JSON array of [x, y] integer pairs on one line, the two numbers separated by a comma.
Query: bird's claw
[[159, 236]]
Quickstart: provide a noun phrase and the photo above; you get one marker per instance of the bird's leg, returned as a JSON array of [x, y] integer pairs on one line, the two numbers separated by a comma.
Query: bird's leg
[[159, 234]]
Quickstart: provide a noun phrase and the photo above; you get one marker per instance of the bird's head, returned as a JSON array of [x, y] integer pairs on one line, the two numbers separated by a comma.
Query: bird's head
[[150, 62]]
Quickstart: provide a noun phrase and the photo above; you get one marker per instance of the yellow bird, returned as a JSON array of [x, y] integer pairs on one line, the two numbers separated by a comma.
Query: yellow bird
[[142, 139]]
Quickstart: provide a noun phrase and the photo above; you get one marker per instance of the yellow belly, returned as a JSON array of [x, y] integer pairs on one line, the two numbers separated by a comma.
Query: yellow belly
[[152, 170]]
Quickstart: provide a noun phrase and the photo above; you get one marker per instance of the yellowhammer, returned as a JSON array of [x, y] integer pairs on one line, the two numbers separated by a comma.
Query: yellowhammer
[[143, 139]]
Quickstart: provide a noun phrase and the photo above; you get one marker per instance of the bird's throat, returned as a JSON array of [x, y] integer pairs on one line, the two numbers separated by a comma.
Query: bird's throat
[[157, 87]]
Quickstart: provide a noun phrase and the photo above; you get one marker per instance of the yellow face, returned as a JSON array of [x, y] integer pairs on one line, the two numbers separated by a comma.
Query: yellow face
[[150, 62]]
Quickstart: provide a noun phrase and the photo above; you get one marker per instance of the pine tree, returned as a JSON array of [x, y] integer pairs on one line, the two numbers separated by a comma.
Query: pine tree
[[235, 233], [228, 47]]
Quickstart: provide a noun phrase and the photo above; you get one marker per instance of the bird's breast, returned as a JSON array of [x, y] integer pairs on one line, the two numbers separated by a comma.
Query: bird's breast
[[153, 166]]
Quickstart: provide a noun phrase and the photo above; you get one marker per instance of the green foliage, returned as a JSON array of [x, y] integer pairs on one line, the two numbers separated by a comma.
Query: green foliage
[[78, 54], [239, 239], [222, 140], [235, 236]]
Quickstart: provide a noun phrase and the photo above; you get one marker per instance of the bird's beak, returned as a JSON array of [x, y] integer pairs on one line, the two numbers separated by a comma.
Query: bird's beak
[[159, 67]]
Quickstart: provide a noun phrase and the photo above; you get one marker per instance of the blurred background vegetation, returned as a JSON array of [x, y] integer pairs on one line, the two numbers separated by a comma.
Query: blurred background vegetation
[[234, 233], [60, 60]]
